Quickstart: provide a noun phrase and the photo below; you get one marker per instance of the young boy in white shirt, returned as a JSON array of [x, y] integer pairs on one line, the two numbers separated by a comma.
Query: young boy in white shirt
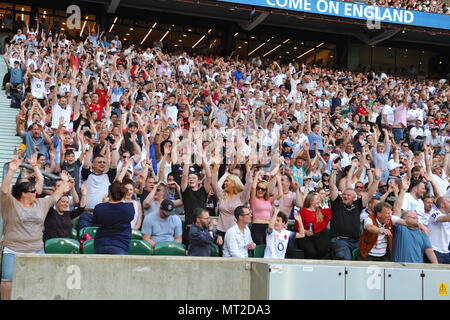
[[277, 236]]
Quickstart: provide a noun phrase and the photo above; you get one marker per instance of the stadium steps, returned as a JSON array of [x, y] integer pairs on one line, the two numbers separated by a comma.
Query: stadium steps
[[8, 138]]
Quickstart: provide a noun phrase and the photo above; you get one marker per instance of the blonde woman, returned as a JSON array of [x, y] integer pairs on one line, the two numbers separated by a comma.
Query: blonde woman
[[314, 220], [234, 194], [261, 205]]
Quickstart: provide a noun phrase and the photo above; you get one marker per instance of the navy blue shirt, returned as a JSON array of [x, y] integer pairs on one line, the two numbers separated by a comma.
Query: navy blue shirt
[[200, 241], [114, 222]]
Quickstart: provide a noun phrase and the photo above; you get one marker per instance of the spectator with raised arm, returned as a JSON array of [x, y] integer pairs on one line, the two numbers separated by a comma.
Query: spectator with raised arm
[[24, 216]]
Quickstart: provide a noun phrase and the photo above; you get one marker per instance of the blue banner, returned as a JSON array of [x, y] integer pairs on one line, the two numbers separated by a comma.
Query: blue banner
[[372, 14]]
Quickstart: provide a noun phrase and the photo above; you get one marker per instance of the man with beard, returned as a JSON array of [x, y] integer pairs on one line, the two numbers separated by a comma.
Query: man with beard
[[202, 234]]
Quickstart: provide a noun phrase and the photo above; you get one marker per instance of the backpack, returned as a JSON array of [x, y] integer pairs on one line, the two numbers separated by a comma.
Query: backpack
[[85, 236], [15, 101]]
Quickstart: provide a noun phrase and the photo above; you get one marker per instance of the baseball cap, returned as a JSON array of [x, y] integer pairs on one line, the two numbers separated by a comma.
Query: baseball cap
[[393, 165], [167, 207], [287, 144]]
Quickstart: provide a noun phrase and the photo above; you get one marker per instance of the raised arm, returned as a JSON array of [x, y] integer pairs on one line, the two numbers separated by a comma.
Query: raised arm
[[372, 187], [334, 192], [7, 179]]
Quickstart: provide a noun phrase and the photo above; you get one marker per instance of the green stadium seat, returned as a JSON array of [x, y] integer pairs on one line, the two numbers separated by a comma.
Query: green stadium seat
[[88, 247], [90, 230], [136, 234], [355, 254], [74, 234], [62, 246], [259, 251], [214, 250], [140, 248], [169, 248]]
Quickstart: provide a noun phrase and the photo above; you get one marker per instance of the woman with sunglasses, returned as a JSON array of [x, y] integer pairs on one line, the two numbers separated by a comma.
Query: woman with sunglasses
[[261, 206], [23, 217]]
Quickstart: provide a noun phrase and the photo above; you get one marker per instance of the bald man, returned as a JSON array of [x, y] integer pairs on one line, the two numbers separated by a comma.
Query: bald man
[[410, 244]]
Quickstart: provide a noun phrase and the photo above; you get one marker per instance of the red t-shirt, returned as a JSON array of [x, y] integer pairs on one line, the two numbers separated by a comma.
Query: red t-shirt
[[309, 216], [96, 108], [74, 62], [361, 110], [102, 97]]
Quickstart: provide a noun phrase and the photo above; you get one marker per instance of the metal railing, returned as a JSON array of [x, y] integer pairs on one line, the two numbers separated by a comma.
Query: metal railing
[[29, 167]]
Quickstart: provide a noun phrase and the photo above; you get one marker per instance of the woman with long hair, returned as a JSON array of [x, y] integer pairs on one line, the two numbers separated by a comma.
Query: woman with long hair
[[137, 219], [291, 195], [314, 220], [233, 195], [261, 206]]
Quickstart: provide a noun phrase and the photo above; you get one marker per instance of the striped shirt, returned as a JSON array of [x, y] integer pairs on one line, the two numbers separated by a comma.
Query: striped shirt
[[380, 247]]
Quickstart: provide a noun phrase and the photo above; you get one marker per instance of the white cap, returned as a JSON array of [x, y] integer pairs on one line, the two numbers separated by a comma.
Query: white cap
[[393, 165]]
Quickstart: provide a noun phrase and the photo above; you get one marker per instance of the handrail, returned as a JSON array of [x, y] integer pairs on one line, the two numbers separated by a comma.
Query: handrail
[[29, 167]]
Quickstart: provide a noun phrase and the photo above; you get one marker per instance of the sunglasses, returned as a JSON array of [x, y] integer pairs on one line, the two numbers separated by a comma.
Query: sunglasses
[[261, 189], [31, 191]]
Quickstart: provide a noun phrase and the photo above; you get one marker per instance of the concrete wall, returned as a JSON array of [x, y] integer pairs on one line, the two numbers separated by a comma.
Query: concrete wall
[[129, 277], [108, 277]]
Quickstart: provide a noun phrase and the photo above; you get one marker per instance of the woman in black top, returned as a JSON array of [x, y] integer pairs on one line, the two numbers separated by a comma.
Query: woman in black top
[[58, 223]]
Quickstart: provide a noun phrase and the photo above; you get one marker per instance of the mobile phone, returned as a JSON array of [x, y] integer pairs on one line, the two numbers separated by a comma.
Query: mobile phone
[[276, 204]]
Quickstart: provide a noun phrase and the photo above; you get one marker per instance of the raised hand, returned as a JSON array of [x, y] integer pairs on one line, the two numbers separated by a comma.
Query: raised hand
[[64, 176], [298, 217], [33, 159], [15, 163], [405, 183]]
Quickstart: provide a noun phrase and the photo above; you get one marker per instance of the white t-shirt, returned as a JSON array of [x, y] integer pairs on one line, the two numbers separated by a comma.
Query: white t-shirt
[[389, 112], [323, 104], [184, 68], [439, 232], [147, 56], [37, 88], [416, 114], [409, 203], [414, 132], [278, 79], [276, 243], [441, 183], [172, 112], [58, 112]]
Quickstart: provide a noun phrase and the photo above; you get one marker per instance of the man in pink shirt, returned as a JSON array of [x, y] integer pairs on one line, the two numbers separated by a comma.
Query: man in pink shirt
[[399, 120]]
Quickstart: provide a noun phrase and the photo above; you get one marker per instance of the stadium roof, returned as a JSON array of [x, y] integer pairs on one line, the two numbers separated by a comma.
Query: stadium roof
[[287, 19]]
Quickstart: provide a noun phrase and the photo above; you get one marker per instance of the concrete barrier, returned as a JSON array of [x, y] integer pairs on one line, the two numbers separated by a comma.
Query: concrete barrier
[[109, 277]]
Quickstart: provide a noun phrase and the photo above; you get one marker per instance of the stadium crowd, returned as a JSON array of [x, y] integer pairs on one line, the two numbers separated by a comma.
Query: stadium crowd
[[150, 136]]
